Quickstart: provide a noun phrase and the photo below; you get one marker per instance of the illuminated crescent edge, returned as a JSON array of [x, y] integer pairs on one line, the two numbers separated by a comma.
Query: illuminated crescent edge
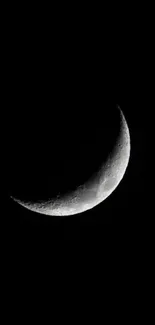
[[97, 189]]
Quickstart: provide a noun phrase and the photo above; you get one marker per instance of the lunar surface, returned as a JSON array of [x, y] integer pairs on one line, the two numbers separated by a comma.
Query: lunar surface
[[97, 188]]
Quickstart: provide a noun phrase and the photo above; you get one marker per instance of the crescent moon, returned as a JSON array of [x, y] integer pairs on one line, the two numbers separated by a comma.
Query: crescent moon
[[96, 189]]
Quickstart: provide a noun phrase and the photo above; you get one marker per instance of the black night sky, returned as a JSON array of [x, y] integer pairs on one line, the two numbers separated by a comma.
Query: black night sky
[[54, 110]]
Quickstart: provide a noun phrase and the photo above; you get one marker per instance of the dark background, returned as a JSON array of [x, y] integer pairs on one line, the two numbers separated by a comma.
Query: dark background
[[60, 90]]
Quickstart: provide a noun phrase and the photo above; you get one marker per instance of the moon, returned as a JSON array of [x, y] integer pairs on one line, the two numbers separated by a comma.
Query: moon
[[97, 188]]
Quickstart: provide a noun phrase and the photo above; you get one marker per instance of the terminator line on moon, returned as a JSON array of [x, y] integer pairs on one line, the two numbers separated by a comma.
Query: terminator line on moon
[[96, 189]]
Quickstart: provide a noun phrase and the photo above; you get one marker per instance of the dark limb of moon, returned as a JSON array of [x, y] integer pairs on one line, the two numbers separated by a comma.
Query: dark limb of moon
[[102, 160]]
